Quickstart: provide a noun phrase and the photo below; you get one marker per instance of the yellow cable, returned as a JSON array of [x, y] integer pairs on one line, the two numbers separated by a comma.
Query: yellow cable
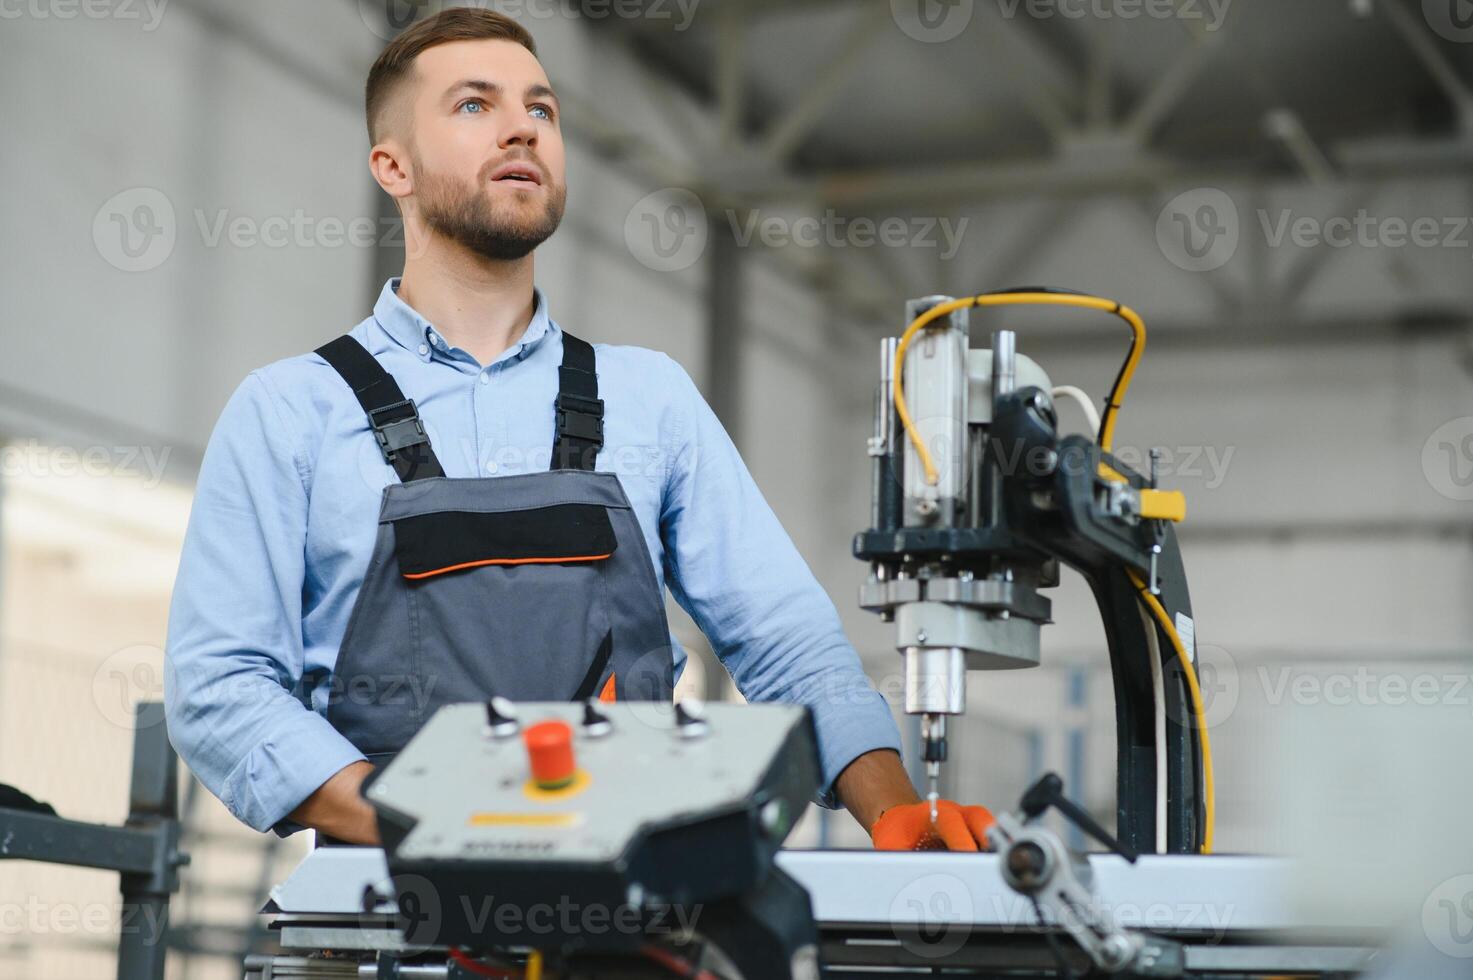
[[534, 966], [1117, 393], [1189, 670]]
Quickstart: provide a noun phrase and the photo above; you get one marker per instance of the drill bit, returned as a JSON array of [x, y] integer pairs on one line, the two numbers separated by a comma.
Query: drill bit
[[933, 738]]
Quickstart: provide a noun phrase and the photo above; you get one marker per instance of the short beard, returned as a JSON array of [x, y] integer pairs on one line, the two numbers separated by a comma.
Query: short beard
[[466, 216]]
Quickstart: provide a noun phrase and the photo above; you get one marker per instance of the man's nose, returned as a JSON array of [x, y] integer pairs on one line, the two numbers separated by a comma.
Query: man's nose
[[521, 130]]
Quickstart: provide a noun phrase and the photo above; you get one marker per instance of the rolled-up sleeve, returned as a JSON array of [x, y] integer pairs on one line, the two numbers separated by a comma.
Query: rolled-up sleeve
[[234, 656], [730, 564]]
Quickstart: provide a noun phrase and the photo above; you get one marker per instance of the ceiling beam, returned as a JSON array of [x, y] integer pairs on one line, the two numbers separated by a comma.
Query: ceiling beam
[[783, 138]]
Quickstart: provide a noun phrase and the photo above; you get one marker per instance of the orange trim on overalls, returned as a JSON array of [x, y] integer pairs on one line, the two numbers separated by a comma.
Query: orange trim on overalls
[[608, 694], [506, 561]]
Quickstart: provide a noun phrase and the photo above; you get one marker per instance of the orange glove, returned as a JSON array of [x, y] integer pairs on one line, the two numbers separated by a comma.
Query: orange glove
[[908, 827]]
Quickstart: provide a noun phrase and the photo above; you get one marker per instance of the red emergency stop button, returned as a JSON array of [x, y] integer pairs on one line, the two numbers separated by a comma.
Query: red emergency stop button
[[550, 750]]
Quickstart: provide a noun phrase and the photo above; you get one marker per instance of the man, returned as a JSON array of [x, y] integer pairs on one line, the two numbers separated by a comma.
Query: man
[[459, 500]]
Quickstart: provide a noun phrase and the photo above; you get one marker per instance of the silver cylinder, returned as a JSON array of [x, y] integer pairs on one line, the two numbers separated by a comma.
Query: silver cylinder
[[1004, 362], [935, 680]]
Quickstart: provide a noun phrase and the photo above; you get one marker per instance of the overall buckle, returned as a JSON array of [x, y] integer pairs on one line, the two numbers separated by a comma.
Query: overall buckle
[[397, 433], [581, 418]]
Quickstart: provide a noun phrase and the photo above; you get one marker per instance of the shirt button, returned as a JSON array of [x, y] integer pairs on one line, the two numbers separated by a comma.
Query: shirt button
[[423, 349], [485, 379], [490, 466]]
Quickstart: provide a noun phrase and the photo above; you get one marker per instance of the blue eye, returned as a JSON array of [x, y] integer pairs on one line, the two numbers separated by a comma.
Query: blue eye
[[472, 105], [545, 110]]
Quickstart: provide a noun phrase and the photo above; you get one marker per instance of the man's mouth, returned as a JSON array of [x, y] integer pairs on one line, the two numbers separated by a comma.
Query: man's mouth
[[517, 173]]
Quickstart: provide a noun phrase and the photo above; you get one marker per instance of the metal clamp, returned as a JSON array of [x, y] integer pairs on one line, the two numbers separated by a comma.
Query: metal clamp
[[1037, 865]]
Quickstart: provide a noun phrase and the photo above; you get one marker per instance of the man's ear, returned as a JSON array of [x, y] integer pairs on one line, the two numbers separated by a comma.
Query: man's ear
[[390, 164]]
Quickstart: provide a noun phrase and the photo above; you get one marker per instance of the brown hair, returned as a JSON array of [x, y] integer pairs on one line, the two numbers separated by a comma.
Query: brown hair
[[453, 24]]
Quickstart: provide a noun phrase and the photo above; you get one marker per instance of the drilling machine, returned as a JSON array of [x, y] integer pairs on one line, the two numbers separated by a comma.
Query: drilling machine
[[977, 500]]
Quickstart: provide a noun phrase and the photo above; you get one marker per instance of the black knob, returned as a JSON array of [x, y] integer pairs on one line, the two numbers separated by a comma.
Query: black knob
[[595, 722], [690, 718], [501, 718]]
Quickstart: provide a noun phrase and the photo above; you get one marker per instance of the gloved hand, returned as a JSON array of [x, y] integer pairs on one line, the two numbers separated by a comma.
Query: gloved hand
[[908, 827]]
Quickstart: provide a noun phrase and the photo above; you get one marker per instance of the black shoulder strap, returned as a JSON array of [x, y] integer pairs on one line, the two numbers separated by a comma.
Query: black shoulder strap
[[394, 419], [580, 412]]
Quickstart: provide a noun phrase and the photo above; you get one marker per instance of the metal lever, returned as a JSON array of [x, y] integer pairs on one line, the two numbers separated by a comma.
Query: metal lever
[[1049, 792], [1037, 865]]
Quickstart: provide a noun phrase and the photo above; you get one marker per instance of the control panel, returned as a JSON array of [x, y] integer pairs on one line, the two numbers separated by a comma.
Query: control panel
[[636, 805]]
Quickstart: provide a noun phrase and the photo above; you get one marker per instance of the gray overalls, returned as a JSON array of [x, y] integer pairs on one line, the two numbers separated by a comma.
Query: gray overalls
[[536, 587]]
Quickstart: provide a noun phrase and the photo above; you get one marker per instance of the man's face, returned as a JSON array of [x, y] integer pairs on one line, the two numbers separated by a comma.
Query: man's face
[[487, 147]]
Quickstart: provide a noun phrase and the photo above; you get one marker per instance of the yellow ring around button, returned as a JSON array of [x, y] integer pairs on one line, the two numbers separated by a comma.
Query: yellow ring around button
[[573, 787]]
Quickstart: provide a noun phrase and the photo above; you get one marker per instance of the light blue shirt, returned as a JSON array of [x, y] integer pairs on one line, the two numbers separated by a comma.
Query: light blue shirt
[[286, 511]]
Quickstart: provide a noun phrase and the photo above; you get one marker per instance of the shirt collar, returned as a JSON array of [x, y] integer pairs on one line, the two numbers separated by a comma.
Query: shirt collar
[[413, 332]]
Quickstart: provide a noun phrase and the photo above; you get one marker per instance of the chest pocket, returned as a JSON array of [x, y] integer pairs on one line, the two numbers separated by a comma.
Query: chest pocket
[[431, 545], [513, 602]]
